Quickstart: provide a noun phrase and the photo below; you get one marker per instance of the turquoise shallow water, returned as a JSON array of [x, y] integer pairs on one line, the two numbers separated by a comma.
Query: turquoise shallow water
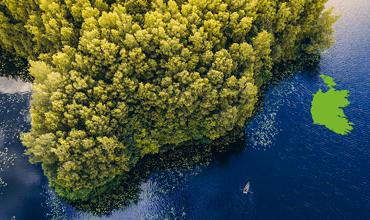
[[297, 170]]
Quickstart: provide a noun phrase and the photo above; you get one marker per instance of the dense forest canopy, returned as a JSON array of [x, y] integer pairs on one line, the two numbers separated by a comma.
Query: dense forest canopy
[[117, 80]]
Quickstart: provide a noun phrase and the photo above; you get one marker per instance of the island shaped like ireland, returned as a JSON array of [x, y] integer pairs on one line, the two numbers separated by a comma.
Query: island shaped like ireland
[[327, 108]]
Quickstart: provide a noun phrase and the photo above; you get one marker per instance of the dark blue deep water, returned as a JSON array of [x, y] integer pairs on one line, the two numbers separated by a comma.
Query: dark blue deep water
[[297, 170]]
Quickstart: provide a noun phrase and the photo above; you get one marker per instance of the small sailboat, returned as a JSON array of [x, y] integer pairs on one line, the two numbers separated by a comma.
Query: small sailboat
[[247, 188]]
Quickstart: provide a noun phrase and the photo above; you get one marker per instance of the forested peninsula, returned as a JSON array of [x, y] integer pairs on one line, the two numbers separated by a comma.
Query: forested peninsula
[[117, 80]]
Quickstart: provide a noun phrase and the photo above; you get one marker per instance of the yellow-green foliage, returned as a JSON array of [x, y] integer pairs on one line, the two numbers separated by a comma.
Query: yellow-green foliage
[[116, 80]]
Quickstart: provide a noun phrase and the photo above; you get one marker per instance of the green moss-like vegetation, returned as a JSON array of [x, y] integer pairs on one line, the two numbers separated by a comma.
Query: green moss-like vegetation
[[115, 81], [327, 108]]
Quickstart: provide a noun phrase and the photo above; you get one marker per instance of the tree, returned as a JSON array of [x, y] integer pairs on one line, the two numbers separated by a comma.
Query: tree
[[118, 80]]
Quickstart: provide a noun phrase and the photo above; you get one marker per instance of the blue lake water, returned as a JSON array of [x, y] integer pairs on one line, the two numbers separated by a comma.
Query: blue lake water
[[297, 170]]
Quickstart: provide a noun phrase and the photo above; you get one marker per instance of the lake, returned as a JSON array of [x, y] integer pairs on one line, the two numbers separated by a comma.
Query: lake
[[297, 170]]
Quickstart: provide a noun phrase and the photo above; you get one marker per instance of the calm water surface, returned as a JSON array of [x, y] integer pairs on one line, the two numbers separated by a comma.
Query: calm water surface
[[297, 170]]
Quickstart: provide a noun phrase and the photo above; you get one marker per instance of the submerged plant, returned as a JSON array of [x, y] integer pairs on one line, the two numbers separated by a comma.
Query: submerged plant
[[118, 80], [6, 161]]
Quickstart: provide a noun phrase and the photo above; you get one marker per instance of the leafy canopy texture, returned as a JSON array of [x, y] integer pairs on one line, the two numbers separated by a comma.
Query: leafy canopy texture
[[117, 80]]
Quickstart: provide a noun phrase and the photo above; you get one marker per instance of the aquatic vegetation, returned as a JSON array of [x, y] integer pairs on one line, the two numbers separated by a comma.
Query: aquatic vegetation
[[57, 210], [116, 81], [6, 161]]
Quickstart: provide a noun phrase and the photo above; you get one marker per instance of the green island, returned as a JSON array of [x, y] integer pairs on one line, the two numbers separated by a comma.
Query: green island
[[116, 82], [327, 108]]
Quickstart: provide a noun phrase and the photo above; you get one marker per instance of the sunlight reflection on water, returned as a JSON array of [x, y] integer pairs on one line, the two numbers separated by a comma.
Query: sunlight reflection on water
[[12, 86]]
